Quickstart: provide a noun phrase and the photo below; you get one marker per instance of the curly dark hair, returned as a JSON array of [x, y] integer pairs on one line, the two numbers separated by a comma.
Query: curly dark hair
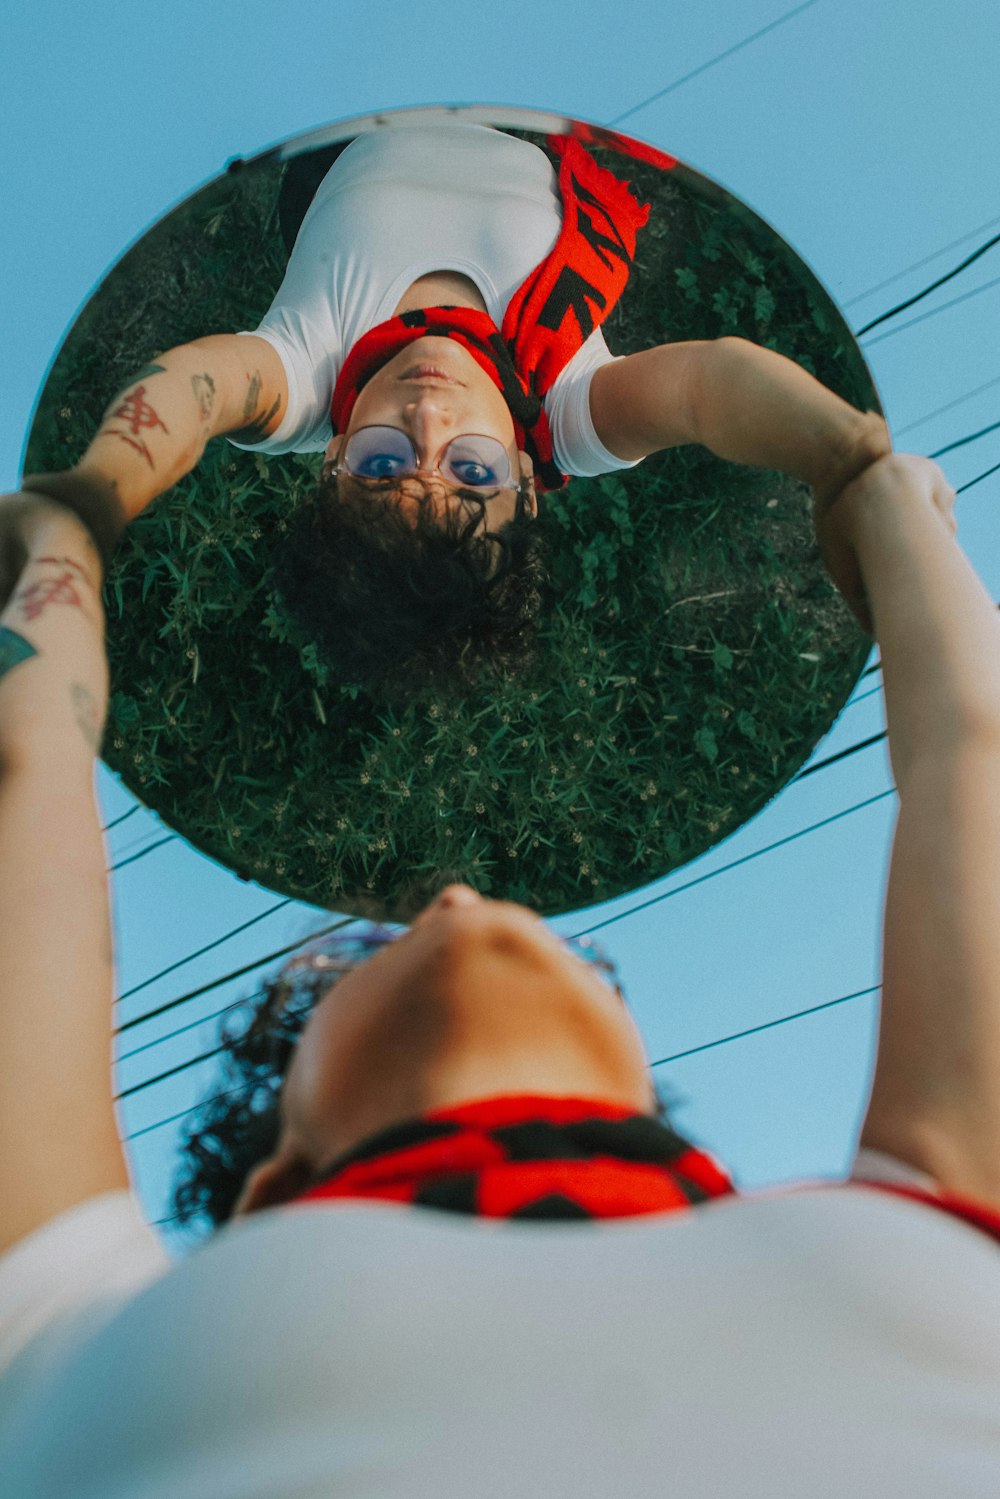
[[239, 1126], [404, 602]]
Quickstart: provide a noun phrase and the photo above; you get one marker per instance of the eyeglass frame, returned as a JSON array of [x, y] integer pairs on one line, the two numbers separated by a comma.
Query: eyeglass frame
[[321, 961], [522, 488]]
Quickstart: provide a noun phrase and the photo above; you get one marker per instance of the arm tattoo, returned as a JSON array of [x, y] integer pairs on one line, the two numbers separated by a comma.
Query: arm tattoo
[[36, 598], [86, 714], [137, 413], [13, 649], [204, 393], [250, 404], [257, 429], [147, 371]]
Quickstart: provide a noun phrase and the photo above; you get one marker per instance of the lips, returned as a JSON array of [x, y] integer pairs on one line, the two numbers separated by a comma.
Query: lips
[[429, 372]]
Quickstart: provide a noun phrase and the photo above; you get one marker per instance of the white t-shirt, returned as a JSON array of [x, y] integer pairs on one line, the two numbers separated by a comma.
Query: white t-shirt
[[397, 204], [824, 1343]]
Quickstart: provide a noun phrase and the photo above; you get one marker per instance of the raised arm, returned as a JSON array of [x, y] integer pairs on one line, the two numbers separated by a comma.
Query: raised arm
[[936, 1095], [156, 428], [742, 402], [58, 1140]]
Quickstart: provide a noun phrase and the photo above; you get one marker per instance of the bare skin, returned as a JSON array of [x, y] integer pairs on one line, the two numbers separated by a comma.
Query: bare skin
[[478, 998]]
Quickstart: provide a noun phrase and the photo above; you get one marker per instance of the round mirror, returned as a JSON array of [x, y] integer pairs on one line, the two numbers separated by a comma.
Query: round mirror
[[684, 651]]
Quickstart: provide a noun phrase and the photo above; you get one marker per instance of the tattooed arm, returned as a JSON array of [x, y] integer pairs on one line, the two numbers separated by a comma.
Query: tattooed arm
[[156, 429], [744, 403], [58, 1139]]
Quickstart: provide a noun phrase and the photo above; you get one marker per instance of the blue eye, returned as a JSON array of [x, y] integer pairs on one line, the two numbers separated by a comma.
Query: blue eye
[[474, 475], [379, 466]]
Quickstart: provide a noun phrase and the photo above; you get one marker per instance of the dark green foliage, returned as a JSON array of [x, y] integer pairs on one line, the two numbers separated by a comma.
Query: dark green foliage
[[695, 655]]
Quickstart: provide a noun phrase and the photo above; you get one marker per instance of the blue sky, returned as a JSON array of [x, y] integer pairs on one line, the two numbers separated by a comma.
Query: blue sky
[[866, 133]]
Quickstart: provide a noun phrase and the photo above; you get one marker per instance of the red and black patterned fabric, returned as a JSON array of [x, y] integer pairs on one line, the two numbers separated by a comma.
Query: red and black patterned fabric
[[550, 315], [528, 1157]]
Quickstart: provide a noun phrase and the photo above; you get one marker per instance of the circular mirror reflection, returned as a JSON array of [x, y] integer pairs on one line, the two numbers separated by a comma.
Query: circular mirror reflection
[[673, 650]]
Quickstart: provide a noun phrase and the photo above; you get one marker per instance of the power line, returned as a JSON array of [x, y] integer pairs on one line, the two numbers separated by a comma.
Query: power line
[[170, 1072], [962, 441], [236, 973], [142, 853], [123, 818], [984, 475], [203, 1103], [925, 316], [234, 932], [182, 1029], [919, 296], [918, 265], [852, 749], [719, 57], [948, 406], [767, 1025], [735, 863]]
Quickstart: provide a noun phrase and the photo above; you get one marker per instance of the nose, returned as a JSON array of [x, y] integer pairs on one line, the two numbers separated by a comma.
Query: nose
[[454, 896], [451, 898], [431, 421]]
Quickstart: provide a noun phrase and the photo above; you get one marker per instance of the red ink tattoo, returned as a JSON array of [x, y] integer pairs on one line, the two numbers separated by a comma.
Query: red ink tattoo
[[134, 442], [65, 562], [35, 599], [137, 412]]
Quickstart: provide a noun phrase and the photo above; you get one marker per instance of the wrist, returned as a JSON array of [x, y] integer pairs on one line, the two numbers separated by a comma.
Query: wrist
[[864, 441], [94, 502]]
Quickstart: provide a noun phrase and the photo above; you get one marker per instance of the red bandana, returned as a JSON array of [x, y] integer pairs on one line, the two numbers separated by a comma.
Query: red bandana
[[528, 1157], [563, 300]]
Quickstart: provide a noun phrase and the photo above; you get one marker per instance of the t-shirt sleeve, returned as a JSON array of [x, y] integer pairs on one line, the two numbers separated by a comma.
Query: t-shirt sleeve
[[102, 1248], [578, 449]]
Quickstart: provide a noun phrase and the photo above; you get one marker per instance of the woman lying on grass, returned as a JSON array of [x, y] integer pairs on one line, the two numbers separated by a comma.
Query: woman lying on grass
[[437, 339]]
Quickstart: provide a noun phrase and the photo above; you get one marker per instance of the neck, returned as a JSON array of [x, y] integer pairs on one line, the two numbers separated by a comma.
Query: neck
[[441, 289]]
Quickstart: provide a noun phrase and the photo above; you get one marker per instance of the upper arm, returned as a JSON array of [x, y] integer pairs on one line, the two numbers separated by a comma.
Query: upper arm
[[936, 1093], [249, 382], [648, 401], [58, 1138]]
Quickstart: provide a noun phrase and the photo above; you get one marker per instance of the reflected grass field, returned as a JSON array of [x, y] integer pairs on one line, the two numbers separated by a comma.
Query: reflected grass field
[[694, 655]]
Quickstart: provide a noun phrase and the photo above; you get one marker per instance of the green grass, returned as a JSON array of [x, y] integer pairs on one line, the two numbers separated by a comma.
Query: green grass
[[695, 655]]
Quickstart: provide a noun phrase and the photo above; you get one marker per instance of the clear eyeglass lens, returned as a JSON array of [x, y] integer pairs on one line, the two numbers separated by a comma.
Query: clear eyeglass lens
[[385, 453]]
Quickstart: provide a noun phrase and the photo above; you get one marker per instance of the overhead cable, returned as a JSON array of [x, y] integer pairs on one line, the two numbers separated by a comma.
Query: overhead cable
[[767, 1026], [719, 57], [133, 858], [116, 821], [919, 296], [926, 316], [961, 442], [735, 863], [948, 406], [234, 932], [979, 477], [236, 973], [918, 265]]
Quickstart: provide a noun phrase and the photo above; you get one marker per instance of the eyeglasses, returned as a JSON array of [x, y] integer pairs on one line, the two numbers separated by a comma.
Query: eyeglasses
[[381, 455], [337, 955]]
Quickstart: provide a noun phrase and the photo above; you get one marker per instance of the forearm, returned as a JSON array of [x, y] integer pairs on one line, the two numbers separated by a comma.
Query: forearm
[[156, 429], [753, 406], [58, 1138], [53, 670], [937, 627], [936, 1094]]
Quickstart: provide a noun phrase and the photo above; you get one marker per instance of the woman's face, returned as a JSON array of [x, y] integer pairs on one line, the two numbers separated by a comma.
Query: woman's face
[[433, 390], [478, 998]]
